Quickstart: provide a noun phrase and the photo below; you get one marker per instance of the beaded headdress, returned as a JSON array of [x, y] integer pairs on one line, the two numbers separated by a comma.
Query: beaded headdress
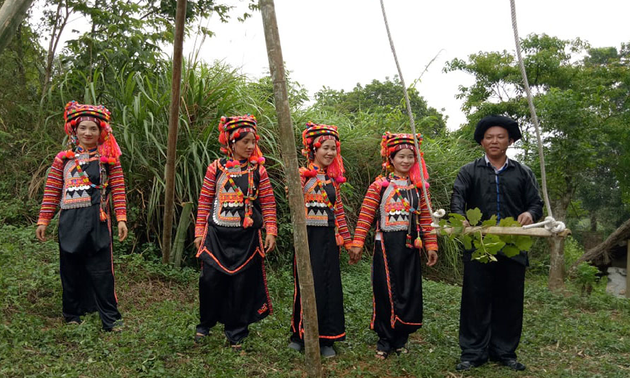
[[392, 143], [312, 138], [231, 129], [76, 113]]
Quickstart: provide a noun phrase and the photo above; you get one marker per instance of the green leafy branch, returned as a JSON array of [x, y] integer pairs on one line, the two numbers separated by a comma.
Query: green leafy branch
[[484, 245]]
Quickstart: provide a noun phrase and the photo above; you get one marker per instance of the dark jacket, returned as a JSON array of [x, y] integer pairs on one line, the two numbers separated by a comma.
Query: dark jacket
[[515, 193]]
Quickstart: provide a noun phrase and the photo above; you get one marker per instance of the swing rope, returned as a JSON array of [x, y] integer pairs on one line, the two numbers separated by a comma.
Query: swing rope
[[439, 213], [549, 223]]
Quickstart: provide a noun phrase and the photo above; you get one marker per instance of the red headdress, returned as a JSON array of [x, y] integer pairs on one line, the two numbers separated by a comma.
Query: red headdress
[[392, 143], [234, 128], [76, 113], [312, 138]]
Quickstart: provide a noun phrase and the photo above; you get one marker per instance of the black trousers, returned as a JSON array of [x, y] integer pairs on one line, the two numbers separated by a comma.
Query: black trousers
[[491, 315], [87, 277]]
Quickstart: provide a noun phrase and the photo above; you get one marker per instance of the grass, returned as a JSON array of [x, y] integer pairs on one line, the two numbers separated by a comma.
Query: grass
[[564, 335]]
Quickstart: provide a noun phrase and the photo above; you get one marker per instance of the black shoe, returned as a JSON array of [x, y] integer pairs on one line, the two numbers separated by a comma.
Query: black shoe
[[327, 351], [466, 365], [513, 364], [295, 346]]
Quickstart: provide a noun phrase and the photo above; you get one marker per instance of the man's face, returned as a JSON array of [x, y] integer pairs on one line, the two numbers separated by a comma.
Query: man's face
[[495, 142]]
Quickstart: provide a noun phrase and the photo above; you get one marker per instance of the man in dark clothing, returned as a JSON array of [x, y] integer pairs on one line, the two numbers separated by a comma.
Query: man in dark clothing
[[491, 315]]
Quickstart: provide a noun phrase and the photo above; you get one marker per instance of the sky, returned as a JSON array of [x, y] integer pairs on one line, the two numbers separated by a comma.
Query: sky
[[342, 43]]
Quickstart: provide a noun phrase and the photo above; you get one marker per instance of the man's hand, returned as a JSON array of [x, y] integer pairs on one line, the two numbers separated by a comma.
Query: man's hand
[[525, 218]]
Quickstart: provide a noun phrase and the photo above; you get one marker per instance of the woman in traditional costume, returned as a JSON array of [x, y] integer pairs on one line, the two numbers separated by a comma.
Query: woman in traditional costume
[[402, 231], [327, 232], [81, 181], [235, 203]]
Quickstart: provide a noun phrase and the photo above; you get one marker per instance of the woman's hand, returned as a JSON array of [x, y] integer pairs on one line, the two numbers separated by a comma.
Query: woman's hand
[[432, 257], [355, 255], [122, 231], [270, 243], [40, 232], [198, 241]]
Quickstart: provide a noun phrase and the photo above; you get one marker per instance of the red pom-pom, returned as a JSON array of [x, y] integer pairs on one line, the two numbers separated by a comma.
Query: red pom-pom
[[70, 154], [111, 161], [261, 160], [236, 135], [317, 144], [103, 159], [384, 183], [257, 137], [417, 243], [230, 163], [340, 179], [337, 143], [247, 222], [73, 123], [339, 240], [103, 124], [221, 128], [253, 160]]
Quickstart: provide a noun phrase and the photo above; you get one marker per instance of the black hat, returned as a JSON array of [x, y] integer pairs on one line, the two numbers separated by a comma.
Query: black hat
[[495, 120]]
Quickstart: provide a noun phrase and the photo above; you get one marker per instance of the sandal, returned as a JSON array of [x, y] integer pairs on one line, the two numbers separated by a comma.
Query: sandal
[[236, 347], [402, 350], [199, 336], [381, 354]]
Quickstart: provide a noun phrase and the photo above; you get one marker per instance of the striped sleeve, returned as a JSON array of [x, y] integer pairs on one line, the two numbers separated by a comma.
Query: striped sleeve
[[267, 202], [52, 192], [367, 213], [429, 238], [119, 196], [205, 199], [340, 215]]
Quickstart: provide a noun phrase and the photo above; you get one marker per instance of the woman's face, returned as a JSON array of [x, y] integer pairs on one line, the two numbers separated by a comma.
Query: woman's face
[[402, 161], [325, 154], [244, 147], [88, 133]]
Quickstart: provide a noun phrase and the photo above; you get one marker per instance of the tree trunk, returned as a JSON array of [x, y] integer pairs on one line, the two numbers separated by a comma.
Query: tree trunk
[[556, 248], [12, 14], [58, 27], [171, 149], [296, 196], [556, 263]]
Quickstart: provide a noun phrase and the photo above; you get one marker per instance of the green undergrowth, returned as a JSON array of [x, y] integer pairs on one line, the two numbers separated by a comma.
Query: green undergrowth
[[565, 335]]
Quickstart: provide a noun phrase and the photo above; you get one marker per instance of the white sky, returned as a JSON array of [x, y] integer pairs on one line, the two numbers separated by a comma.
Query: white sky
[[339, 43]]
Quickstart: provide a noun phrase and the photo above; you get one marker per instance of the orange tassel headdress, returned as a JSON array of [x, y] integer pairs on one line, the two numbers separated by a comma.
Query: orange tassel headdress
[[232, 129], [76, 113], [312, 138], [392, 143]]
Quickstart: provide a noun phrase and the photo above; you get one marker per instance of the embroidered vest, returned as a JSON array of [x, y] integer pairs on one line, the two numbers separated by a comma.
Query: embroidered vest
[[318, 212], [229, 208], [394, 216], [76, 193]]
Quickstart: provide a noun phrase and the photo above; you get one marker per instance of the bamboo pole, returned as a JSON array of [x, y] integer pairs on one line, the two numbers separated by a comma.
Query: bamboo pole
[[628, 270], [296, 197], [12, 14], [171, 154], [538, 232]]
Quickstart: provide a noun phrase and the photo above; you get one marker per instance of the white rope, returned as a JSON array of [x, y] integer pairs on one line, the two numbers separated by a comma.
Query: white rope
[[436, 216], [554, 225]]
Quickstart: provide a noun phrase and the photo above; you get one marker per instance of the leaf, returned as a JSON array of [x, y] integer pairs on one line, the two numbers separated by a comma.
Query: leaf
[[490, 222], [511, 251], [474, 216], [453, 216], [524, 243], [493, 244], [508, 222], [467, 240]]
